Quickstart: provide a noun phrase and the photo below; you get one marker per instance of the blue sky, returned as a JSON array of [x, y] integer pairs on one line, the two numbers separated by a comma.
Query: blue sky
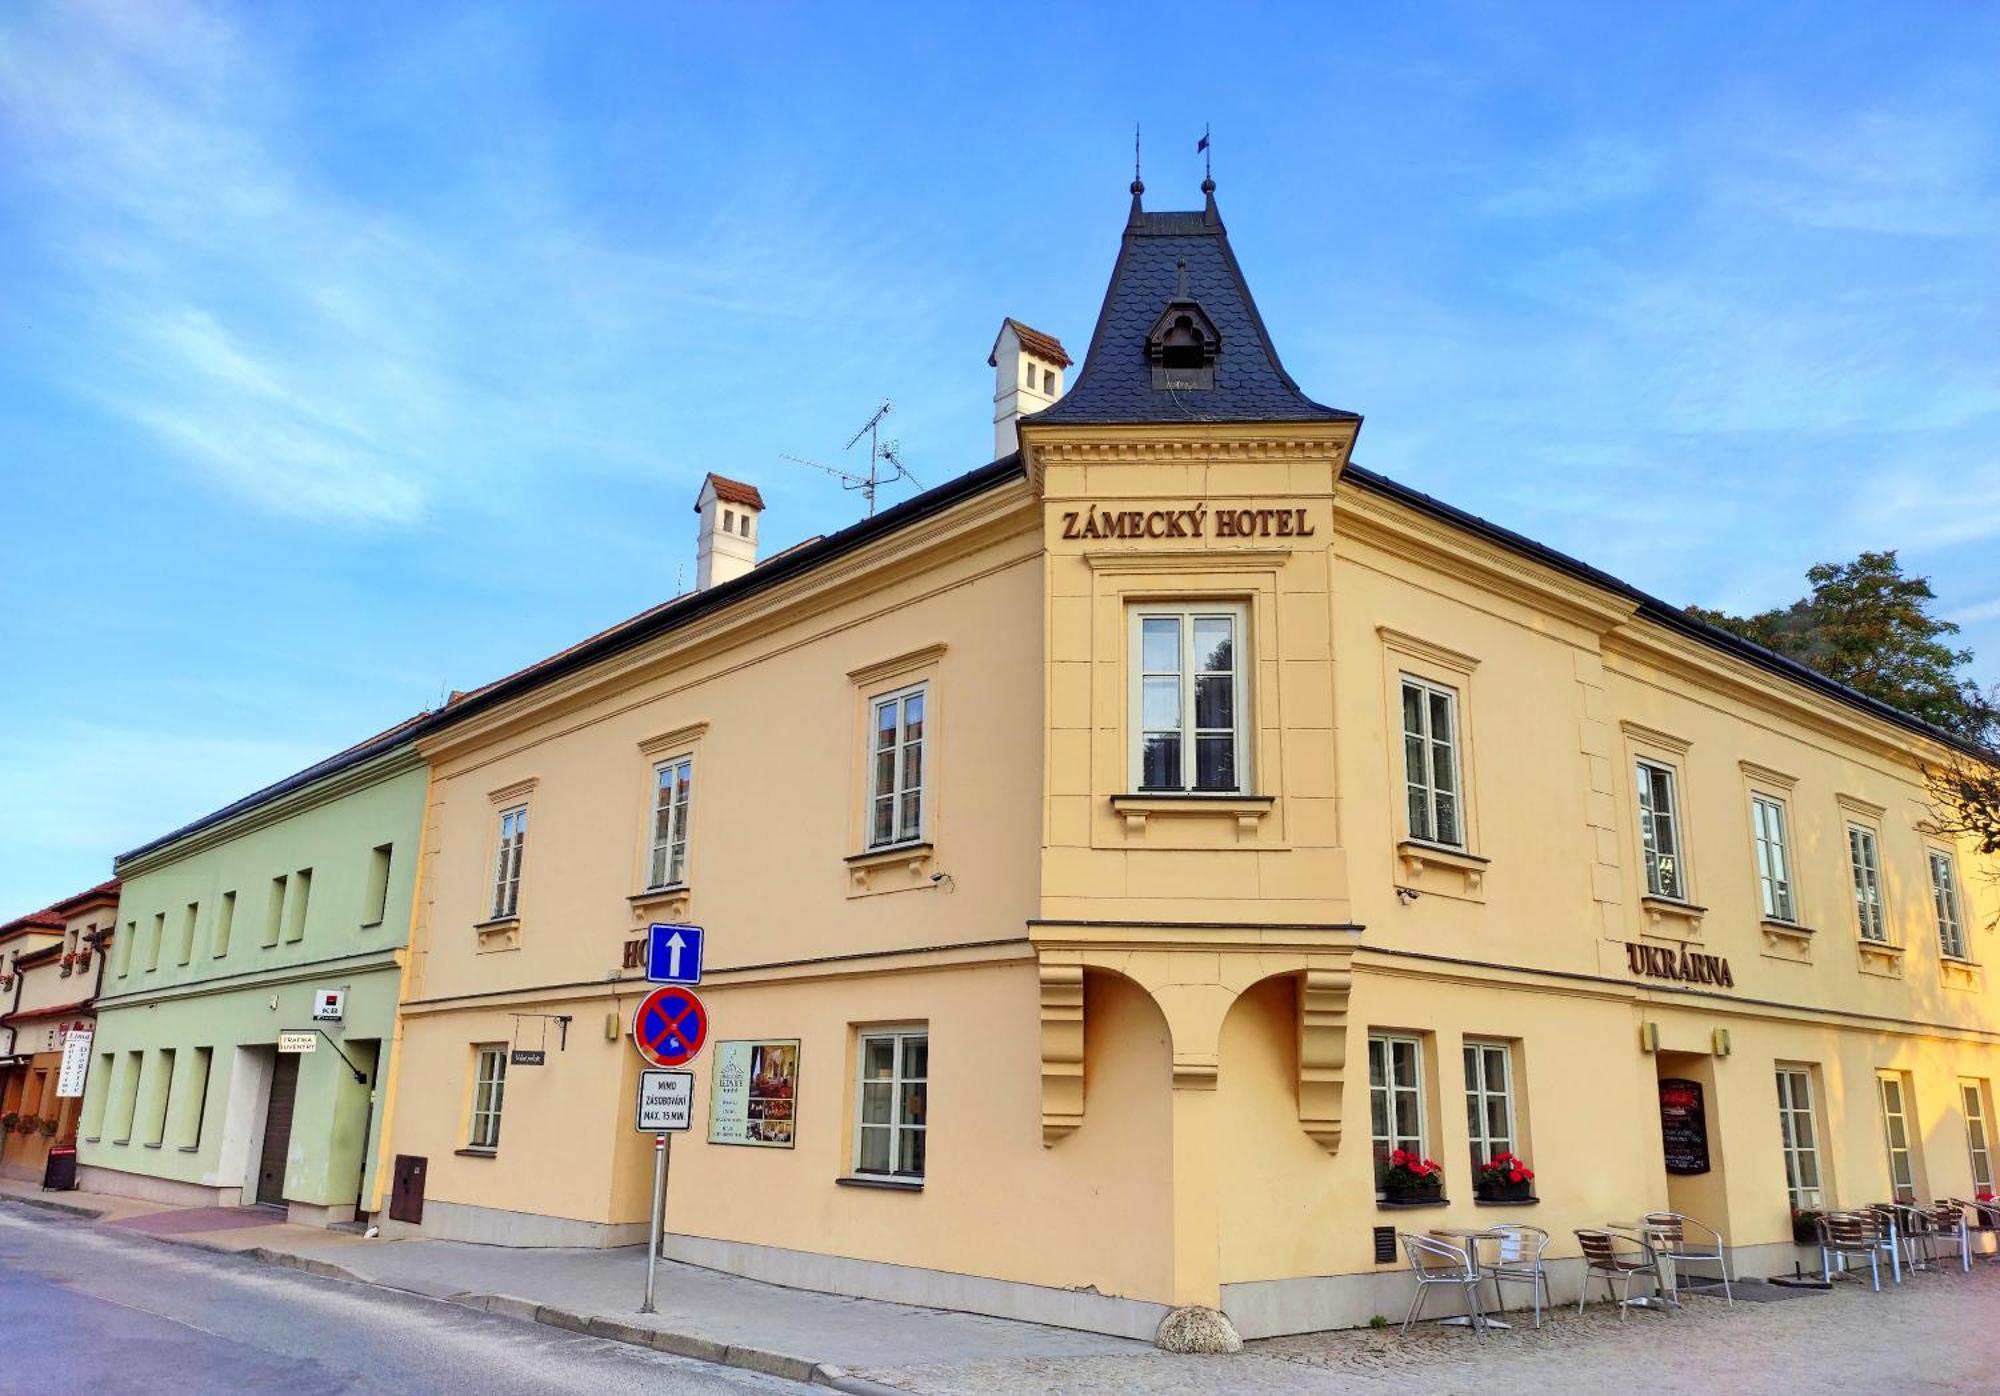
[[353, 353]]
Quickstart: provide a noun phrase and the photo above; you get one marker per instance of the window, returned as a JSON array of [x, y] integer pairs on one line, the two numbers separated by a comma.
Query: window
[[1798, 1135], [1774, 863], [375, 905], [1395, 1097], [156, 1125], [125, 944], [507, 867], [1896, 1133], [274, 911], [673, 788], [153, 945], [1867, 868], [1977, 1137], [225, 921], [1430, 762], [890, 1112], [489, 1089], [1659, 832], [1944, 897], [896, 769], [1049, 382], [97, 1095], [728, 520], [198, 1074], [1187, 699], [295, 912], [1489, 1100], [188, 920], [128, 1105]]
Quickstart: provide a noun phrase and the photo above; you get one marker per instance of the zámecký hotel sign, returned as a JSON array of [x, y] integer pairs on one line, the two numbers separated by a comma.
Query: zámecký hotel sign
[[1197, 522], [1685, 967]]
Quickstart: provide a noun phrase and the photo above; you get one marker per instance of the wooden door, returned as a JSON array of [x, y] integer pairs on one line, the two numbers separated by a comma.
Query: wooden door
[[406, 1189], [277, 1131]]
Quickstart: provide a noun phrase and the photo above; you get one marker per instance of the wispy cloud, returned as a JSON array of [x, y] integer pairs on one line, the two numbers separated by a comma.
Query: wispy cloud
[[1587, 174], [347, 353]]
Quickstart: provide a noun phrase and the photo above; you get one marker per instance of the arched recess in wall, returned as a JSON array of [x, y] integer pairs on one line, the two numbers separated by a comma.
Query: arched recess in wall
[[1280, 1206], [1114, 1172]]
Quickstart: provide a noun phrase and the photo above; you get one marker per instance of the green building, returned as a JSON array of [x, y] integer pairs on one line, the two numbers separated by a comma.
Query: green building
[[249, 1007]]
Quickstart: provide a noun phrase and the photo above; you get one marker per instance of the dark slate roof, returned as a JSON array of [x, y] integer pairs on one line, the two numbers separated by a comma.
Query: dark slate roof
[[1115, 384], [1652, 608]]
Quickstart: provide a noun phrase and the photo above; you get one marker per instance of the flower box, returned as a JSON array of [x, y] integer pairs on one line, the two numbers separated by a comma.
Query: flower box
[[1412, 1178], [1430, 1190], [1506, 1190], [1504, 1178]]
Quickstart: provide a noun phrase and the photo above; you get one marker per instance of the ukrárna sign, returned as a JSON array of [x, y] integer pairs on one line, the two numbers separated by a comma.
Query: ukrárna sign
[[1683, 967], [1196, 522]]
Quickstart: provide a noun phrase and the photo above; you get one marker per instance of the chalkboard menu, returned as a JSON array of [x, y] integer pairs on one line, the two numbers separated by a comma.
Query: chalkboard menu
[[1683, 1125]]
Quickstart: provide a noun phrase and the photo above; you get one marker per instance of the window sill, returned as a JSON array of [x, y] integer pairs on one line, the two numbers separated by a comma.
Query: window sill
[[1880, 957], [1506, 1201], [1956, 972], [187, 1148], [863, 1180], [674, 900], [374, 925], [126, 1140], [1417, 855], [1140, 806], [501, 933], [476, 1153], [154, 1145], [912, 859], [1672, 917], [93, 1139], [1385, 1204]]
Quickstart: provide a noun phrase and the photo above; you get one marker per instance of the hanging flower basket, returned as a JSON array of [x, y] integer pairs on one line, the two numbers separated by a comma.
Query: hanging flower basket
[[49, 1128], [1412, 1178], [1504, 1178], [28, 1124], [10, 1119]]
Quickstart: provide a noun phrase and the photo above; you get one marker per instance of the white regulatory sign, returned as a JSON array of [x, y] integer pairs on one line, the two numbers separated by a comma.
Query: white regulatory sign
[[292, 1043], [666, 1102]]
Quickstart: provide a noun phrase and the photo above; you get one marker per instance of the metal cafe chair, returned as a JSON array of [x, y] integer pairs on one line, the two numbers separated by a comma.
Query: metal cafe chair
[[1844, 1234], [1949, 1233], [1670, 1236], [1603, 1259], [1893, 1239], [1520, 1262], [1985, 1220], [1914, 1226], [1434, 1263]]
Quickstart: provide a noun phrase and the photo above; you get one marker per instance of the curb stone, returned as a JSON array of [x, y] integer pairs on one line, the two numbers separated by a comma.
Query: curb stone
[[840, 1379], [69, 1208]]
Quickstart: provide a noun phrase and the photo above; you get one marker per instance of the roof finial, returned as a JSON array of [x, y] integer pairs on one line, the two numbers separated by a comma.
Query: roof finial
[[1180, 280], [1138, 184], [1207, 157]]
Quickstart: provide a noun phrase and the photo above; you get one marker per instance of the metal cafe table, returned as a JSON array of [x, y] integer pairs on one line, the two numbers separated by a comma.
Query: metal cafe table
[[1669, 1296], [1469, 1238]]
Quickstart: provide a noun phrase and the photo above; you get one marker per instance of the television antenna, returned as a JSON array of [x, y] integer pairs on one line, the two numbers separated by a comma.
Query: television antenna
[[880, 453]]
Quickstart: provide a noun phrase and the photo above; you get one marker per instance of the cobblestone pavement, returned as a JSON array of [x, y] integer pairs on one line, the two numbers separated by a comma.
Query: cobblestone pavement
[[1937, 1333]]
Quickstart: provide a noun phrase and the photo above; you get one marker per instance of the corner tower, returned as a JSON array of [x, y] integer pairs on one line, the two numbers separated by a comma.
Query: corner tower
[[1193, 843]]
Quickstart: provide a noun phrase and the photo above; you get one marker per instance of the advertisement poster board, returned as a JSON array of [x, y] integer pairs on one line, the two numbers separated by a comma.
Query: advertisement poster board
[[1683, 1126], [75, 1068], [755, 1094]]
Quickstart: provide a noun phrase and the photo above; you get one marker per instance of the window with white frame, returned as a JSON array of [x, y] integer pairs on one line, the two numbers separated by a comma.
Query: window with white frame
[[1944, 898], [1189, 709], [673, 792], [1896, 1134], [507, 865], [1866, 865], [1430, 762], [1774, 858], [1489, 1100], [1799, 1135], [1395, 1096], [896, 767], [1660, 831], [1978, 1138], [890, 1105], [489, 1090]]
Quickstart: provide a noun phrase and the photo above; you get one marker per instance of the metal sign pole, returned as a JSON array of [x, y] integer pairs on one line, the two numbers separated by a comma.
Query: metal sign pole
[[659, 1209]]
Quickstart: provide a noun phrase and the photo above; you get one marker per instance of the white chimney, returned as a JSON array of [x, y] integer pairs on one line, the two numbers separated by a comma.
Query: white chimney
[[1028, 376], [726, 545]]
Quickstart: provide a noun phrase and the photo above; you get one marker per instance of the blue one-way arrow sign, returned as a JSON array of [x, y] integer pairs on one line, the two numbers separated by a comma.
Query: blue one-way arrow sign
[[673, 954]]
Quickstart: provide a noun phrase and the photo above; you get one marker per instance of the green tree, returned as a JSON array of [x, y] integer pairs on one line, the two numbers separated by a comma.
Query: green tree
[[1870, 627]]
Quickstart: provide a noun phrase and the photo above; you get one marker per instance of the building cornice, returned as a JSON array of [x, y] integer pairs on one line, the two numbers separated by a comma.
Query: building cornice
[[1205, 442], [255, 980], [394, 762]]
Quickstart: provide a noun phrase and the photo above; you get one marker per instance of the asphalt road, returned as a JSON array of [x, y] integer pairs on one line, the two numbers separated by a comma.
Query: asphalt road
[[87, 1310]]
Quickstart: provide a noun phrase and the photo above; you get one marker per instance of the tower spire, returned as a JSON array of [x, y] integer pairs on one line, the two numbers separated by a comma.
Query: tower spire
[[1138, 184]]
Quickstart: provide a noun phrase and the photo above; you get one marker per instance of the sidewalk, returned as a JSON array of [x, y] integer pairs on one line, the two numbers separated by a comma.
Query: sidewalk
[[702, 1314]]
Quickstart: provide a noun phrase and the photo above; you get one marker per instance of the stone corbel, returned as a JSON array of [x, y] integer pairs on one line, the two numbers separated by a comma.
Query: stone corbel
[[1322, 1052], [1062, 1051]]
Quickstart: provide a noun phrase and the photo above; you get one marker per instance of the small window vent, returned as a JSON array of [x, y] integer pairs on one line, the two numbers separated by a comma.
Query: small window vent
[[1385, 1245]]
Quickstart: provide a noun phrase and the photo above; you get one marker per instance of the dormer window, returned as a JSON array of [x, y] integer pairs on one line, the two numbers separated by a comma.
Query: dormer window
[[1182, 346]]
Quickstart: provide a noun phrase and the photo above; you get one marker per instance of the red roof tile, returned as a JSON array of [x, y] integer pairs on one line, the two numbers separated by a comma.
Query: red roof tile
[[733, 492], [1042, 346]]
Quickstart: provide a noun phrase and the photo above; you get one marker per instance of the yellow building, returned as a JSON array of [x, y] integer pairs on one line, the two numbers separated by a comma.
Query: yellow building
[[1109, 858], [51, 967]]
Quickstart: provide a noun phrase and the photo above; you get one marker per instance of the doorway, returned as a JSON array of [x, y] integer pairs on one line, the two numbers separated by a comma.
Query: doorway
[[1691, 1146], [277, 1132]]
